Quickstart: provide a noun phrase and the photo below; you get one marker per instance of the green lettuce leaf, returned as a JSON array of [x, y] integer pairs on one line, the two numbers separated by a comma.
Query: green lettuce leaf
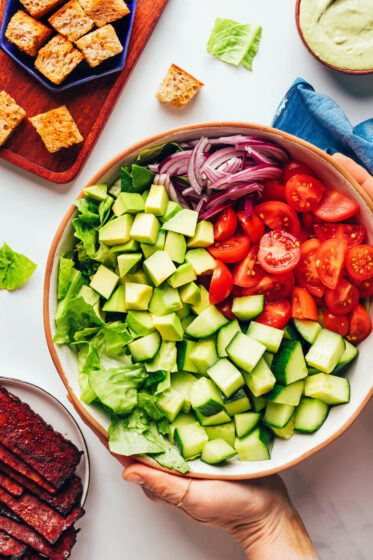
[[170, 458], [83, 262], [105, 256], [88, 360], [15, 269], [87, 235], [247, 60], [157, 153], [127, 441], [229, 41], [75, 315], [88, 211], [65, 272], [111, 339], [125, 180], [104, 209], [149, 405]]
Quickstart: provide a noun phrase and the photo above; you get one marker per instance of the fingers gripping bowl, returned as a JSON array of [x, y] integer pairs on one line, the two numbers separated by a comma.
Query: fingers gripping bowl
[[284, 453]]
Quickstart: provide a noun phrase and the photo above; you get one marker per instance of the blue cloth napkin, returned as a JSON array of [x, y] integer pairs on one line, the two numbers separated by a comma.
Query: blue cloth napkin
[[316, 118]]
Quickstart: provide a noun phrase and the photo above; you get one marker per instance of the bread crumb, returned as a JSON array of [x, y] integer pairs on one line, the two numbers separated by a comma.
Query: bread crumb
[[39, 8], [27, 33], [178, 87], [11, 115], [71, 21], [57, 129], [104, 11], [57, 59], [99, 45]]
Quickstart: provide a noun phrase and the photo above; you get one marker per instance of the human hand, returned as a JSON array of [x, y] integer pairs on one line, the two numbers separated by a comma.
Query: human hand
[[360, 174]]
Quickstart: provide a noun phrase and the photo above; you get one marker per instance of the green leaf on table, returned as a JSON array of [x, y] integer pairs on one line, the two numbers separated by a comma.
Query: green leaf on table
[[15, 269], [229, 40], [247, 60]]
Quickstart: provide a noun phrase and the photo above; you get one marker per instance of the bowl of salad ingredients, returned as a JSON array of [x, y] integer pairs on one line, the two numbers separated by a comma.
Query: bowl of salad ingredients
[[207, 301]]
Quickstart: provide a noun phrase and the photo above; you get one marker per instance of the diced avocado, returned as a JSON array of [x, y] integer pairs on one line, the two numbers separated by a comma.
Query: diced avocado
[[201, 261], [248, 307], [182, 275], [205, 397], [175, 246], [165, 359], [96, 192], [140, 322], [117, 301], [128, 203], [144, 195], [185, 321], [185, 222], [190, 440], [214, 420], [117, 231], [203, 303], [148, 250], [237, 403], [244, 351], [182, 419], [104, 281], [223, 431], [127, 261], [184, 311], [184, 362], [145, 228], [204, 235], [172, 209], [130, 247], [204, 354], [171, 403], [254, 446], [207, 323], [216, 451], [89, 295], [182, 382], [165, 300], [326, 351], [157, 200], [245, 422], [226, 376], [146, 347], [260, 380], [138, 277], [138, 296], [159, 266], [190, 293], [169, 327], [141, 178]]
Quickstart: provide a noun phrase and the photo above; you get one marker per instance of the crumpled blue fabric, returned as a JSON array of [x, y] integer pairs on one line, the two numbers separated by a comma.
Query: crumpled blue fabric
[[316, 118]]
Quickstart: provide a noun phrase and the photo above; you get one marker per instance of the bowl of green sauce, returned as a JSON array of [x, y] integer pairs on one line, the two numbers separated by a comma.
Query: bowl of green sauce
[[339, 33]]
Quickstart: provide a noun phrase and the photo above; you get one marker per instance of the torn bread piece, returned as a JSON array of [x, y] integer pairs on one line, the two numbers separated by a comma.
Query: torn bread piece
[[105, 11], [71, 21], [39, 8], [27, 33], [11, 115], [57, 129], [178, 87], [99, 45], [57, 59]]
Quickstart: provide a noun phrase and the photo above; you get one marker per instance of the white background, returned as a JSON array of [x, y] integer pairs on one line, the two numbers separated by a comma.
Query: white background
[[333, 490]]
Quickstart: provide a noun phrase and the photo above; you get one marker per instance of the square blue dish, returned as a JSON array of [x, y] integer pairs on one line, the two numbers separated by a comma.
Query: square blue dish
[[83, 72]]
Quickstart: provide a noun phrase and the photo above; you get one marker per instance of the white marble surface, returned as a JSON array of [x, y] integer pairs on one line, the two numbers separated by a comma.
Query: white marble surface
[[333, 490]]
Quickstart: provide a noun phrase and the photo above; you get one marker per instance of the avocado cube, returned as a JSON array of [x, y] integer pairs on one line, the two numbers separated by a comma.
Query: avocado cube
[[140, 322], [175, 246], [182, 275], [138, 296], [96, 192], [130, 247], [157, 200], [184, 222], [117, 231], [104, 281], [172, 209], [171, 402], [145, 228], [117, 301], [184, 311], [203, 303], [169, 327], [148, 250], [201, 261], [128, 203], [159, 267], [204, 235], [127, 261], [165, 300], [190, 293], [89, 295], [138, 277]]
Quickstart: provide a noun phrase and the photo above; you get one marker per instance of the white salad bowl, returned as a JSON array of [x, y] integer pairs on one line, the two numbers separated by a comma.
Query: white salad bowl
[[284, 454]]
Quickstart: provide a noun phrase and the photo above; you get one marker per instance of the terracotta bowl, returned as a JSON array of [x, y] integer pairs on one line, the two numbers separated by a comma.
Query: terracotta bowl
[[284, 453], [344, 70]]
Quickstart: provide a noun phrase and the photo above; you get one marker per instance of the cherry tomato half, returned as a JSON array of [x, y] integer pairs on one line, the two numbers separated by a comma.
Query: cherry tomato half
[[306, 271], [295, 167], [273, 190], [278, 215], [352, 233], [365, 288], [360, 325], [252, 226], [339, 324], [330, 261], [221, 283], [359, 262], [275, 314], [231, 250], [273, 287], [225, 226], [343, 299], [248, 272], [225, 307], [335, 206], [303, 305], [303, 192], [279, 252]]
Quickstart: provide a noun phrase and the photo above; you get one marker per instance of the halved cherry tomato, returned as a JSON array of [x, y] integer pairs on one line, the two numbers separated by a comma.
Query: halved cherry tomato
[[225, 307], [275, 314], [273, 287], [303, 305], [295, 167], [231, 250], [352, 233], [359, 262], [221, 283], [308, 222], [365, 288], [252, 226], [339, 324], [225, 226], [330, 261], [279, 252], [303, 192], [236, 291], [360, 325], [278, 215], [335, 206], [248, 272], [273, 190], [343, 299], [306, 271]]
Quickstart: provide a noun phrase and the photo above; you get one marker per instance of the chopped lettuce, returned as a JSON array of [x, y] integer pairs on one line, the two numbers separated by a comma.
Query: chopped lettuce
[[104, 209], [234, 43], [65, 272], [87, 235], [157, 153], [88, 211], [15, 269], [76, 315], [247, 60], [88, 360]]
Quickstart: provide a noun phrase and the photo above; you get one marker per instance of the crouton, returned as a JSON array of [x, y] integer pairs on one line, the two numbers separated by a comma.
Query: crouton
[[11, 115], [178, 87], [71, 21], [57, 129], [99, 45], [39, 8], [57, 59], [104, 11], [27, 33]]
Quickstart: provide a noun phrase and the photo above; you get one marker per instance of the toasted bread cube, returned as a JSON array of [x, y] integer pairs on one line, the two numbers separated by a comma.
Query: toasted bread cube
[[27, 33], [39, 8], [57, 129], [11, 115], [178, 87], [57, 59], [71, 21], [105, 11], [99, 45]]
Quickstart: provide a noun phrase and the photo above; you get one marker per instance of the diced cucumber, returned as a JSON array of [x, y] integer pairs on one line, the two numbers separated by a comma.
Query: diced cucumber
[[248, 307], [257, 403], [269, 336], [261, 379], [207, 323], [309, 330], [225, 336], [278, 415], [216, 451], [184, 349], [190, 439], [222, 431], [140, 322], [328, 388], [238, 402], [201, 261], [348, 356], [326, 351], [245, 422], [164, 359], [182, 419], [203, 303], [287, 431], [268, 356], [204, 354], [205, 397], [171, 403], [184, 311], [310, 415], [244, 351], [255, 446], [165, 300], [185, 321], [226, 376], [288, 364], [288, 394], [145, 348], [182, 382], [219, 418], [290, 333]]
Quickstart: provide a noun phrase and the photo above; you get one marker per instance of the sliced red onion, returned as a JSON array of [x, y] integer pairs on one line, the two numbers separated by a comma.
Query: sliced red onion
[[234, 140], [202, 203], [265, 152], [176, 164], [234, 193], [233, 165], [215, 210], [195, 162], [191, 194], [221, 156], [257, 173], [249, 207]]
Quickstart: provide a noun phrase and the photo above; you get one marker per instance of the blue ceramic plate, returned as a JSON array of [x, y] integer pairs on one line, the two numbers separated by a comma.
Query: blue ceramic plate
[[83, 72]]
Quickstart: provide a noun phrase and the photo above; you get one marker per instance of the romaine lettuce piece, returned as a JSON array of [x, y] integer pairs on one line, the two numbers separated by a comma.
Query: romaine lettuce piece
[[247, 60], [229, 40], [15, 269]]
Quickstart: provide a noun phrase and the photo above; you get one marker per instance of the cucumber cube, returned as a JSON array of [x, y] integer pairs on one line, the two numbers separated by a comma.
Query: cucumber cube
[[190, 440], [205, 397], [222, 431], [203, 303], [169, 327], [237, 403], [348, 356], [165, 300], [216, 451], [248, 307], [190, 293], [156, 201], [207, 323], [145, 228], [219, 418], [148, 250], [328, 388], [138, 296], [268, 356], [128, 203], [117, 301], [261, 379], [204, 354], [226, 376], [288, 364], [145, 348], [117, 231], [245, 422], [290, 394], [184, 311], [258, 403], [170, 402], [184, 222], [254, 446], [182, 275], [225, 336], [183, 382], [326, 351], [104, 281], [204, 235], [96, 192], [175, 246], [140, 322], [244, 351], [159, 267], [201, 261], [278, 415], [309, 330], [184, 349], [287, 431], [269, 336], [182, 419], [172, 209], [127, 261], [165, 359], [310, 415]]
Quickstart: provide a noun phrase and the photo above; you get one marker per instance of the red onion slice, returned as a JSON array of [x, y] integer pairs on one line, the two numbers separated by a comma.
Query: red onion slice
[[195, 162]]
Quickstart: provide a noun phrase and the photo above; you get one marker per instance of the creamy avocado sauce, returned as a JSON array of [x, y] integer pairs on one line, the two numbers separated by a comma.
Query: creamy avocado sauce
[[340, 32]]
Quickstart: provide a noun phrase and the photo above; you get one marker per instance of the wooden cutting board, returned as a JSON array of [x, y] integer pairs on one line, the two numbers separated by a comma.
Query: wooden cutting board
[[90, 104]]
